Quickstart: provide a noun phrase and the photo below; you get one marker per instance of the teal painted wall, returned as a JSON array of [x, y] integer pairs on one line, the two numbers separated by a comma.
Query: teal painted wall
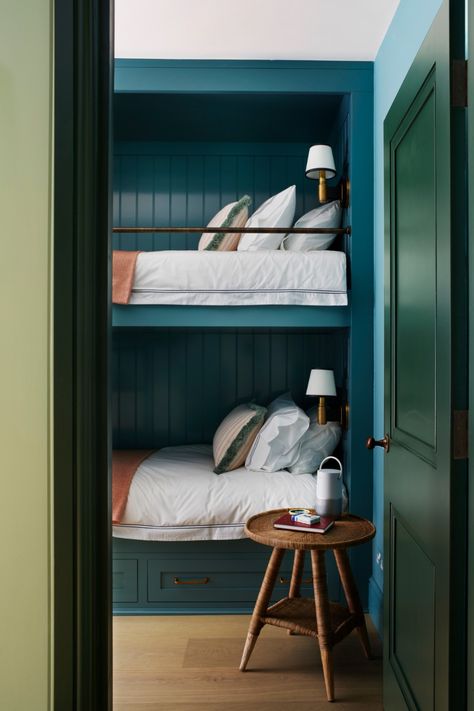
[[174, 386], [397, 52], [187, 183]]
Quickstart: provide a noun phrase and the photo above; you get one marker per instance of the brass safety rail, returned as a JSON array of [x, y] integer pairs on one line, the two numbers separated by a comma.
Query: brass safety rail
[[233, 230]]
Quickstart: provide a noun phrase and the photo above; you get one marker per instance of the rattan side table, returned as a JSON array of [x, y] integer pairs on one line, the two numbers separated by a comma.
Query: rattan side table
[[329, 621]]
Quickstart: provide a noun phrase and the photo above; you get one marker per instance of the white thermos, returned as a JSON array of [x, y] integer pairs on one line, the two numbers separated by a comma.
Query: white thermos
[[329, 489]]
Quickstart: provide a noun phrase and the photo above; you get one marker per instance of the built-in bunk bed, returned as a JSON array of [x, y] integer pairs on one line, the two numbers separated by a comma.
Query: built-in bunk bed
[[217, 329]]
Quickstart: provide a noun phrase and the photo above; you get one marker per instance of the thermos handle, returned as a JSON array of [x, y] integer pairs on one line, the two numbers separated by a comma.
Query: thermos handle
[[337, 460]]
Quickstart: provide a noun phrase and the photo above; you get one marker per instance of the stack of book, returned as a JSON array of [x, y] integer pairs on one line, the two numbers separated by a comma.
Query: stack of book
[[304, 522]]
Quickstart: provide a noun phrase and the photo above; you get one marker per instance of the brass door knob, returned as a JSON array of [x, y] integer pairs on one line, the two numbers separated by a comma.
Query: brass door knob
[[385, 443]]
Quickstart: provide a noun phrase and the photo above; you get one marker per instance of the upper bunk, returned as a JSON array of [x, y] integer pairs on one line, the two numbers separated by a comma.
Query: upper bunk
[[190, 137]]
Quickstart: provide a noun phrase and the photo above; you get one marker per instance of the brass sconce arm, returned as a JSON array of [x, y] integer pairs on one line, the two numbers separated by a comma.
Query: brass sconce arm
[[328, 193]]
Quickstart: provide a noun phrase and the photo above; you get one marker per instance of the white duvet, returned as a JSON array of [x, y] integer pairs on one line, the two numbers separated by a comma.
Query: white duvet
[[175, 496], [271, 277]]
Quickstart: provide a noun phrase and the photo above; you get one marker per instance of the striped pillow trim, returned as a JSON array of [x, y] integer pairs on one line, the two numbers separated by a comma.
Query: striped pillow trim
[[233, 215], [235, 436]]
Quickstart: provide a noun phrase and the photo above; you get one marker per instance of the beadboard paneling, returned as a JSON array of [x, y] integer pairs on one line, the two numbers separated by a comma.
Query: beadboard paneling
[[174, 386], [183, 184]]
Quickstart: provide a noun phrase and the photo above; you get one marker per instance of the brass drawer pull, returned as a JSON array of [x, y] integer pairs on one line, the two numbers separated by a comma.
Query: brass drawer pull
[[285, 581], [193, 581]]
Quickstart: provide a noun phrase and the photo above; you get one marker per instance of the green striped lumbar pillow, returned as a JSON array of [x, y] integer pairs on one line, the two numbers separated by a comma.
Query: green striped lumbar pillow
[[235, 435], [233, 215]]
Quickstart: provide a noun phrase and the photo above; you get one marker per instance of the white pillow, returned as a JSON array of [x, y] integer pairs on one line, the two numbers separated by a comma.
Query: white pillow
[[329, 215], [277, 211], [318, 442], [276, 445]]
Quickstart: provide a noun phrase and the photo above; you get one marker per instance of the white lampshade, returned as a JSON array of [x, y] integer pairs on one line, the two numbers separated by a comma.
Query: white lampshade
[[321, 382], [320, 158]]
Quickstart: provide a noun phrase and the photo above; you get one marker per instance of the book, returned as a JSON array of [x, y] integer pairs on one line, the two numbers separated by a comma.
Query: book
[[305, 518], [286, 522]]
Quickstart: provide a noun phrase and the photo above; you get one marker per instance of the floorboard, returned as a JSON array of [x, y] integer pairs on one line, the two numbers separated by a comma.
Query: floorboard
[[190, 663]]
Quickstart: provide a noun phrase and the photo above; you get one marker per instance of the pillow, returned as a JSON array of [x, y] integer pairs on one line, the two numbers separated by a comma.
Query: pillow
[[233, 215], [329, 215], [277, 211], [276, 445], [234, 436], [318, 442]]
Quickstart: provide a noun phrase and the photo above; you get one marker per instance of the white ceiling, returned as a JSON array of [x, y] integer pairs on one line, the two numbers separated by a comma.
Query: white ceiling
[[251, 29]]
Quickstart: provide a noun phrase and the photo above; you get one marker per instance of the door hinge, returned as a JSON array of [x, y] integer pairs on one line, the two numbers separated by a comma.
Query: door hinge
[[460, 434], [459, 83]]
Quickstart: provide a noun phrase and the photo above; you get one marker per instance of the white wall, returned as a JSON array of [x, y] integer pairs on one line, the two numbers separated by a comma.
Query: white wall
[[251, 29]]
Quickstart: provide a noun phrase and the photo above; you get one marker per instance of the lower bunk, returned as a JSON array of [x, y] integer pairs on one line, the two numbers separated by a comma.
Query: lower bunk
[[175, 552], [180, 547]]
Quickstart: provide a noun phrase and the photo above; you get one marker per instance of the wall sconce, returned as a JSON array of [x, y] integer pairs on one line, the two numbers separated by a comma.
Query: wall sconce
[[321, 382], [320, 166]]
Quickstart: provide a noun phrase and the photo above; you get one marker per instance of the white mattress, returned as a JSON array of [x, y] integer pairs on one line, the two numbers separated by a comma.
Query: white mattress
[[175, 496], [240, 278]]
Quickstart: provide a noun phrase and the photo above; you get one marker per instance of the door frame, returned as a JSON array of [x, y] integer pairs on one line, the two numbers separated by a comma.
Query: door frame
[[81, 540], [470, 474], [83, 53]]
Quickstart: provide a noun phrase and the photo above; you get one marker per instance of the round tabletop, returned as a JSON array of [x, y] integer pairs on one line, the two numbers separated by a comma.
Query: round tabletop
[[347, 531]]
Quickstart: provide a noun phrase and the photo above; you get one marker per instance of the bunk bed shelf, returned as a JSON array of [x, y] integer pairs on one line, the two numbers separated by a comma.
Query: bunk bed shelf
[[152, 316]]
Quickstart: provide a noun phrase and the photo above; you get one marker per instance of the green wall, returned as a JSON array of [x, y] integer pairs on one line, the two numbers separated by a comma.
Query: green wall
[[25, 195]]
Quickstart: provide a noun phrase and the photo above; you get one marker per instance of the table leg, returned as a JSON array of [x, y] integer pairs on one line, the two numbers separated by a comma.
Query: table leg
[[352, 597], [261, 605], [323, 619], [296, 574]]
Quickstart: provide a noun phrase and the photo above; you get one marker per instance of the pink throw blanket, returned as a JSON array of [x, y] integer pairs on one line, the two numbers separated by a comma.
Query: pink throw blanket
[[125, 463], [123, 273]]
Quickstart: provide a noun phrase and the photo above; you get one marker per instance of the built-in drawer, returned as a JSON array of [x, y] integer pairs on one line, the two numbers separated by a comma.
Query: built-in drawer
[[125, 580], [211, 580]]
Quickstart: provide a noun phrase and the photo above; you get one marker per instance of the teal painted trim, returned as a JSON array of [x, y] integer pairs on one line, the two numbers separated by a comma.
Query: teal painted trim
[[376, 606], [231, 316], [243, 63], [358, 464], [173, 76]]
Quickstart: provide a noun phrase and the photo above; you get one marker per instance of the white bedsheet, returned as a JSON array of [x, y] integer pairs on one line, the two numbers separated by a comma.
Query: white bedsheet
[[240, 278], [175, 496]]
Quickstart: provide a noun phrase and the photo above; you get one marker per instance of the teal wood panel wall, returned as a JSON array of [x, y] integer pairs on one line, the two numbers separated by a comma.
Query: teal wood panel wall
[[174, 386], [179, 184]]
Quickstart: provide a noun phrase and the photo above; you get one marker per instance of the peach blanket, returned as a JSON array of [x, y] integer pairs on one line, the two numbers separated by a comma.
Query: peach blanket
[[125, 463], [123, 272]]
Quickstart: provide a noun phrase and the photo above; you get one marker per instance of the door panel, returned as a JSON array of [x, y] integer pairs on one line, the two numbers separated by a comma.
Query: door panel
[[414, 310], [413, 576], [418, 381]]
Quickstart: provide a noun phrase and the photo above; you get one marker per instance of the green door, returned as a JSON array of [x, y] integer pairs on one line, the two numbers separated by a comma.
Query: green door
[[418, 381]]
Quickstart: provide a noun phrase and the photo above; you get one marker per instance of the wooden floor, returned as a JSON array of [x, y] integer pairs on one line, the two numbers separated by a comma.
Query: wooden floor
[[191, 664]]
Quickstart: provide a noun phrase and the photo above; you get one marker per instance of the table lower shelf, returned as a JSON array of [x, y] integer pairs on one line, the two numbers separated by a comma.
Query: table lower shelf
[[298, 614]]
